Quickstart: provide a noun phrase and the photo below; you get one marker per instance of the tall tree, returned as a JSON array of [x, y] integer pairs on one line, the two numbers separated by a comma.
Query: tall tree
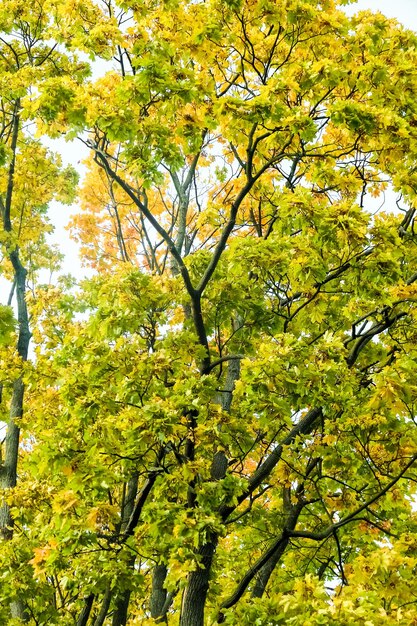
[[30, 177], [221, 420]]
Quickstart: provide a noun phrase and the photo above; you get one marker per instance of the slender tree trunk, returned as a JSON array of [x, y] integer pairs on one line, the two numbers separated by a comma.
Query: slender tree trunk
[[85, 613], [122, 602], [99, 621], [8, 480], [220, 461], [8, 470], [8, 473]]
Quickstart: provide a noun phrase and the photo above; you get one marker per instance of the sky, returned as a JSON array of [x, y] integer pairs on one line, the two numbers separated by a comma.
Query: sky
[[404, 10]]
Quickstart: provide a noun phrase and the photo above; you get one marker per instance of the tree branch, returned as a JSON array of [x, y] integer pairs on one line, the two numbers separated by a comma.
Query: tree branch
[[352, 517], [104, 163], [223, 359], [278, 546]]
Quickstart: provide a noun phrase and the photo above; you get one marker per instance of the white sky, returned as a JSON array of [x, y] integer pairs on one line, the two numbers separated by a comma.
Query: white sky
[[404, 10]]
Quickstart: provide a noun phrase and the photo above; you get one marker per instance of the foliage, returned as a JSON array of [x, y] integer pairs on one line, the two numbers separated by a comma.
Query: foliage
[[218, 425]]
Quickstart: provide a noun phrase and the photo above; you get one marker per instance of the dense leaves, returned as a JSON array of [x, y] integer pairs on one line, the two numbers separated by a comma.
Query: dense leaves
[[218, 425]]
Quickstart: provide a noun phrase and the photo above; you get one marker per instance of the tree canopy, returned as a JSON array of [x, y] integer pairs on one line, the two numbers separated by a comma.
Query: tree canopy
[[218, 425]]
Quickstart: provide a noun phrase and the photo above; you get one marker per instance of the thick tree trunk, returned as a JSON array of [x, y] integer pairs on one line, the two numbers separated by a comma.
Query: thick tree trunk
[[195, 594], [158, 602]]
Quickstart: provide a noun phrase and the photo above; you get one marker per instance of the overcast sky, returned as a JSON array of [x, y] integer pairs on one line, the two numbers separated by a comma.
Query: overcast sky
[[404, 10]]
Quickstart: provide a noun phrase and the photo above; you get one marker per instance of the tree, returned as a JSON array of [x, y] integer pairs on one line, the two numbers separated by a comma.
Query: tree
[[31, 176], [219, 424]]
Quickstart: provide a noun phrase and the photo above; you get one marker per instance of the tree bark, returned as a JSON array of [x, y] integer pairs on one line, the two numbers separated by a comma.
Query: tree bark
[[99, 621], [122, 602], [262, 579], [8, 470], [158, 602], [85, 613], [220, 461], [194, 597]]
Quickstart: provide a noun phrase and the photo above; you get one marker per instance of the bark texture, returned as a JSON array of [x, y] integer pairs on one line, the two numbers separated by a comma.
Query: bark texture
[[158, 602], [122, 602], [194, 598]]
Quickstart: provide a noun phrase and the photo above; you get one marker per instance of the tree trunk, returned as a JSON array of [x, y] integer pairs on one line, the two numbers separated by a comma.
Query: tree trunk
[[265, 573], [85, 613], [9, 468], [195, 594], [8, 471], [158, 602], [99, 621], [122, 602], [220, 461]]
